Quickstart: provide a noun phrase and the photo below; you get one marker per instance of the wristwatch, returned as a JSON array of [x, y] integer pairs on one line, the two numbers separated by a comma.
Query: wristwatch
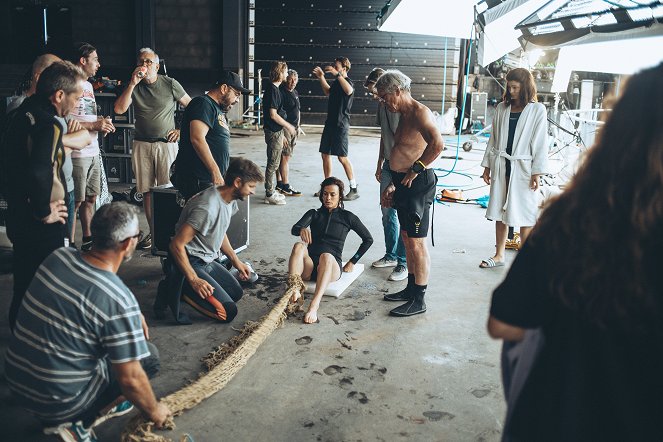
[[418, 167], [338, 74]]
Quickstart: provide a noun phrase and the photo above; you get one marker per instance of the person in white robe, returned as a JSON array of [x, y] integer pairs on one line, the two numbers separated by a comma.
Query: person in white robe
[[514, 160]]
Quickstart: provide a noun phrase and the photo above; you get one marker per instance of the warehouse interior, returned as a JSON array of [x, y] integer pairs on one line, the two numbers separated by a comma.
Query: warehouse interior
[[357, 374]]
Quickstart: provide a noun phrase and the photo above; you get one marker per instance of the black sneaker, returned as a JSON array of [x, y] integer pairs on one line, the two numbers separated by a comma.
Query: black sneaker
[[287, 190], [352, 194], [145, 243], [86, 246]]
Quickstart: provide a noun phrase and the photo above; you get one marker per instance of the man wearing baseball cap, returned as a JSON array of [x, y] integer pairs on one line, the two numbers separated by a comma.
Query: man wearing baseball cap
[[204, 152]]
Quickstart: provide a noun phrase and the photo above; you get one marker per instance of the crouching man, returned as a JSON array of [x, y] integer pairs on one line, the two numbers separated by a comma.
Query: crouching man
[[79, 353], [198, 277], [318, 256]]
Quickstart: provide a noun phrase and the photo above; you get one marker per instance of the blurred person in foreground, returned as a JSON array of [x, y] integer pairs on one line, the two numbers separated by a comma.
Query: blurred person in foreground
[[584, 297]]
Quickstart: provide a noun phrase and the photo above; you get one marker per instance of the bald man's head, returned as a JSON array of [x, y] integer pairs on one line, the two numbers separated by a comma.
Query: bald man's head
[[38, 66]]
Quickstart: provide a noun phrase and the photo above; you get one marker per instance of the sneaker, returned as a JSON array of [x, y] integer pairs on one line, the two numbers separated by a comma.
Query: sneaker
[[118, 410], [385, 262], [86, 246], [352, 194], [287, 190], [274, 199], [399, 273], [72, 432], [145, 243]]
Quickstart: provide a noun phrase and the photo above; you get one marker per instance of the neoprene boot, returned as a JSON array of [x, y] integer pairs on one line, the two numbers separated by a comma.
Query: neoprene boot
[[403, 295], [412, 307]]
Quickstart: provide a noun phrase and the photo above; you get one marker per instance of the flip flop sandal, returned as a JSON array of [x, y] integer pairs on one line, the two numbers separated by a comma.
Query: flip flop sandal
[[491, 263]]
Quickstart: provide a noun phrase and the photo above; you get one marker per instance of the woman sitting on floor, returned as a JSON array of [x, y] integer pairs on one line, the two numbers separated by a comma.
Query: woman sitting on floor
[[317, 257]]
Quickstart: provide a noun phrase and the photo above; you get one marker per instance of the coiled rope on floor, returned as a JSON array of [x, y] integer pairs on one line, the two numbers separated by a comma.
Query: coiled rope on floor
[[223, 363]]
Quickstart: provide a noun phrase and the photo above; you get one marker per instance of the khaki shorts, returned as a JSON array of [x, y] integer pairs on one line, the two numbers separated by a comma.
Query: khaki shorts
[[292, 142], [151, 163], [87, 177]]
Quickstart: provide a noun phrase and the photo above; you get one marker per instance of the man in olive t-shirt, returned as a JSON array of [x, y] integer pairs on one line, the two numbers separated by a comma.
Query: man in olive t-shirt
[[154, 148]]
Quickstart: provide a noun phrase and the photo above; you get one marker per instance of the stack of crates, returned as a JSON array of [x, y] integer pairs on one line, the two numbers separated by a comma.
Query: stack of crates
[[116, 147]]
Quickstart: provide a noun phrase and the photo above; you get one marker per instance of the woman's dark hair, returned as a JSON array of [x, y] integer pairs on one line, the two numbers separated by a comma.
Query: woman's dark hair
[[331, 181], [527, 86], [604, 235]]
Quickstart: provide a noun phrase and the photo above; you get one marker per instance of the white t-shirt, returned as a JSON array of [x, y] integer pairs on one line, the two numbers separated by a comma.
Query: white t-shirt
[[86, 111]]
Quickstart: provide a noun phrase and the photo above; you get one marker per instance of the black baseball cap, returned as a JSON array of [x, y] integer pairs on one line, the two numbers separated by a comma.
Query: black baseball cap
[[232, 80]]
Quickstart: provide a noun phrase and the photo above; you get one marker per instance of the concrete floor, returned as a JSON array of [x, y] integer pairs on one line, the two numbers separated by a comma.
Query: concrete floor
[[358, 374]]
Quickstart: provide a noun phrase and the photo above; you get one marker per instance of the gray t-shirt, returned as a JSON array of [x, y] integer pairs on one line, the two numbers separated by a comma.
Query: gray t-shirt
[[209, 215], [155, 105], [388, 122]]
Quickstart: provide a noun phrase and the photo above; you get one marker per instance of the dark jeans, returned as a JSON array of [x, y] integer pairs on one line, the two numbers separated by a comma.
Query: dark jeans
[[29, 253], [189, 185], [151, 366]]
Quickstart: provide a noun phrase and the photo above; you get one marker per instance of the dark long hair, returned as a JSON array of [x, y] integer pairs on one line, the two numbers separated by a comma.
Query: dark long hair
[[604, 235], [527, 86], [331, 181]]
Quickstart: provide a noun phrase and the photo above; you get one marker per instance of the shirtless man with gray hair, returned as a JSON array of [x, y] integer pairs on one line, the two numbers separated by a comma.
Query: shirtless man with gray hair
[[417, 143]]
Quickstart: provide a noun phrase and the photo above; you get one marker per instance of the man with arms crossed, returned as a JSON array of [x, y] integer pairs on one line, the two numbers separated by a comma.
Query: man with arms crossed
[[86, 162], [417, 143]]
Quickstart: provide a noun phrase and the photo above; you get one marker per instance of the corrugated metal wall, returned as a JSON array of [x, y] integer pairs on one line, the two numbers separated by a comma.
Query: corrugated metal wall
[[308, 33]]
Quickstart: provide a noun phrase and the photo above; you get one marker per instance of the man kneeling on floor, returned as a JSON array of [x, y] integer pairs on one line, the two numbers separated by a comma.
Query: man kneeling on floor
[[200, 279], [79, 354], [318, 256]]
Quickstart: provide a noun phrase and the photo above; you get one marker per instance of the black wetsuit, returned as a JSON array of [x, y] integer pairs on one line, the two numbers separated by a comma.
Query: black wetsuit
[[328, 232], [413, 203]]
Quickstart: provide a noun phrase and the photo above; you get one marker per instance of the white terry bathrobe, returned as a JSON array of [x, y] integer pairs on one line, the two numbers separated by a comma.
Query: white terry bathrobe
[[529, 156]]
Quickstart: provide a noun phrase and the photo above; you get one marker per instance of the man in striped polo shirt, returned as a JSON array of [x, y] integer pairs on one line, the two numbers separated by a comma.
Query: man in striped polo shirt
[[79, 349]]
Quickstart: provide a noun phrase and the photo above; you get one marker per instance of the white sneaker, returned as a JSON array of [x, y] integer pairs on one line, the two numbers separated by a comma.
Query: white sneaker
[[384, 262], [399, 273], [274, 199]]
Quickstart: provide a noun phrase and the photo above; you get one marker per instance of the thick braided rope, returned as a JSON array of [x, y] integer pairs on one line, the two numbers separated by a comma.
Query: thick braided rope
[[229, 359]]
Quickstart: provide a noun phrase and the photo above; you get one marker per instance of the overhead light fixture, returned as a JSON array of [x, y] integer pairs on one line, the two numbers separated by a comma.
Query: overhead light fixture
[[428, 18]]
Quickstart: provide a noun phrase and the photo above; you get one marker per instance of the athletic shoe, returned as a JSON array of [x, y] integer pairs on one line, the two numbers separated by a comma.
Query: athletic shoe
[[118, 410], [352, 194], [399, 273], [72, 432], [274, 199], [145, 243], [86, 246], [385, 262], [288, 190]]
